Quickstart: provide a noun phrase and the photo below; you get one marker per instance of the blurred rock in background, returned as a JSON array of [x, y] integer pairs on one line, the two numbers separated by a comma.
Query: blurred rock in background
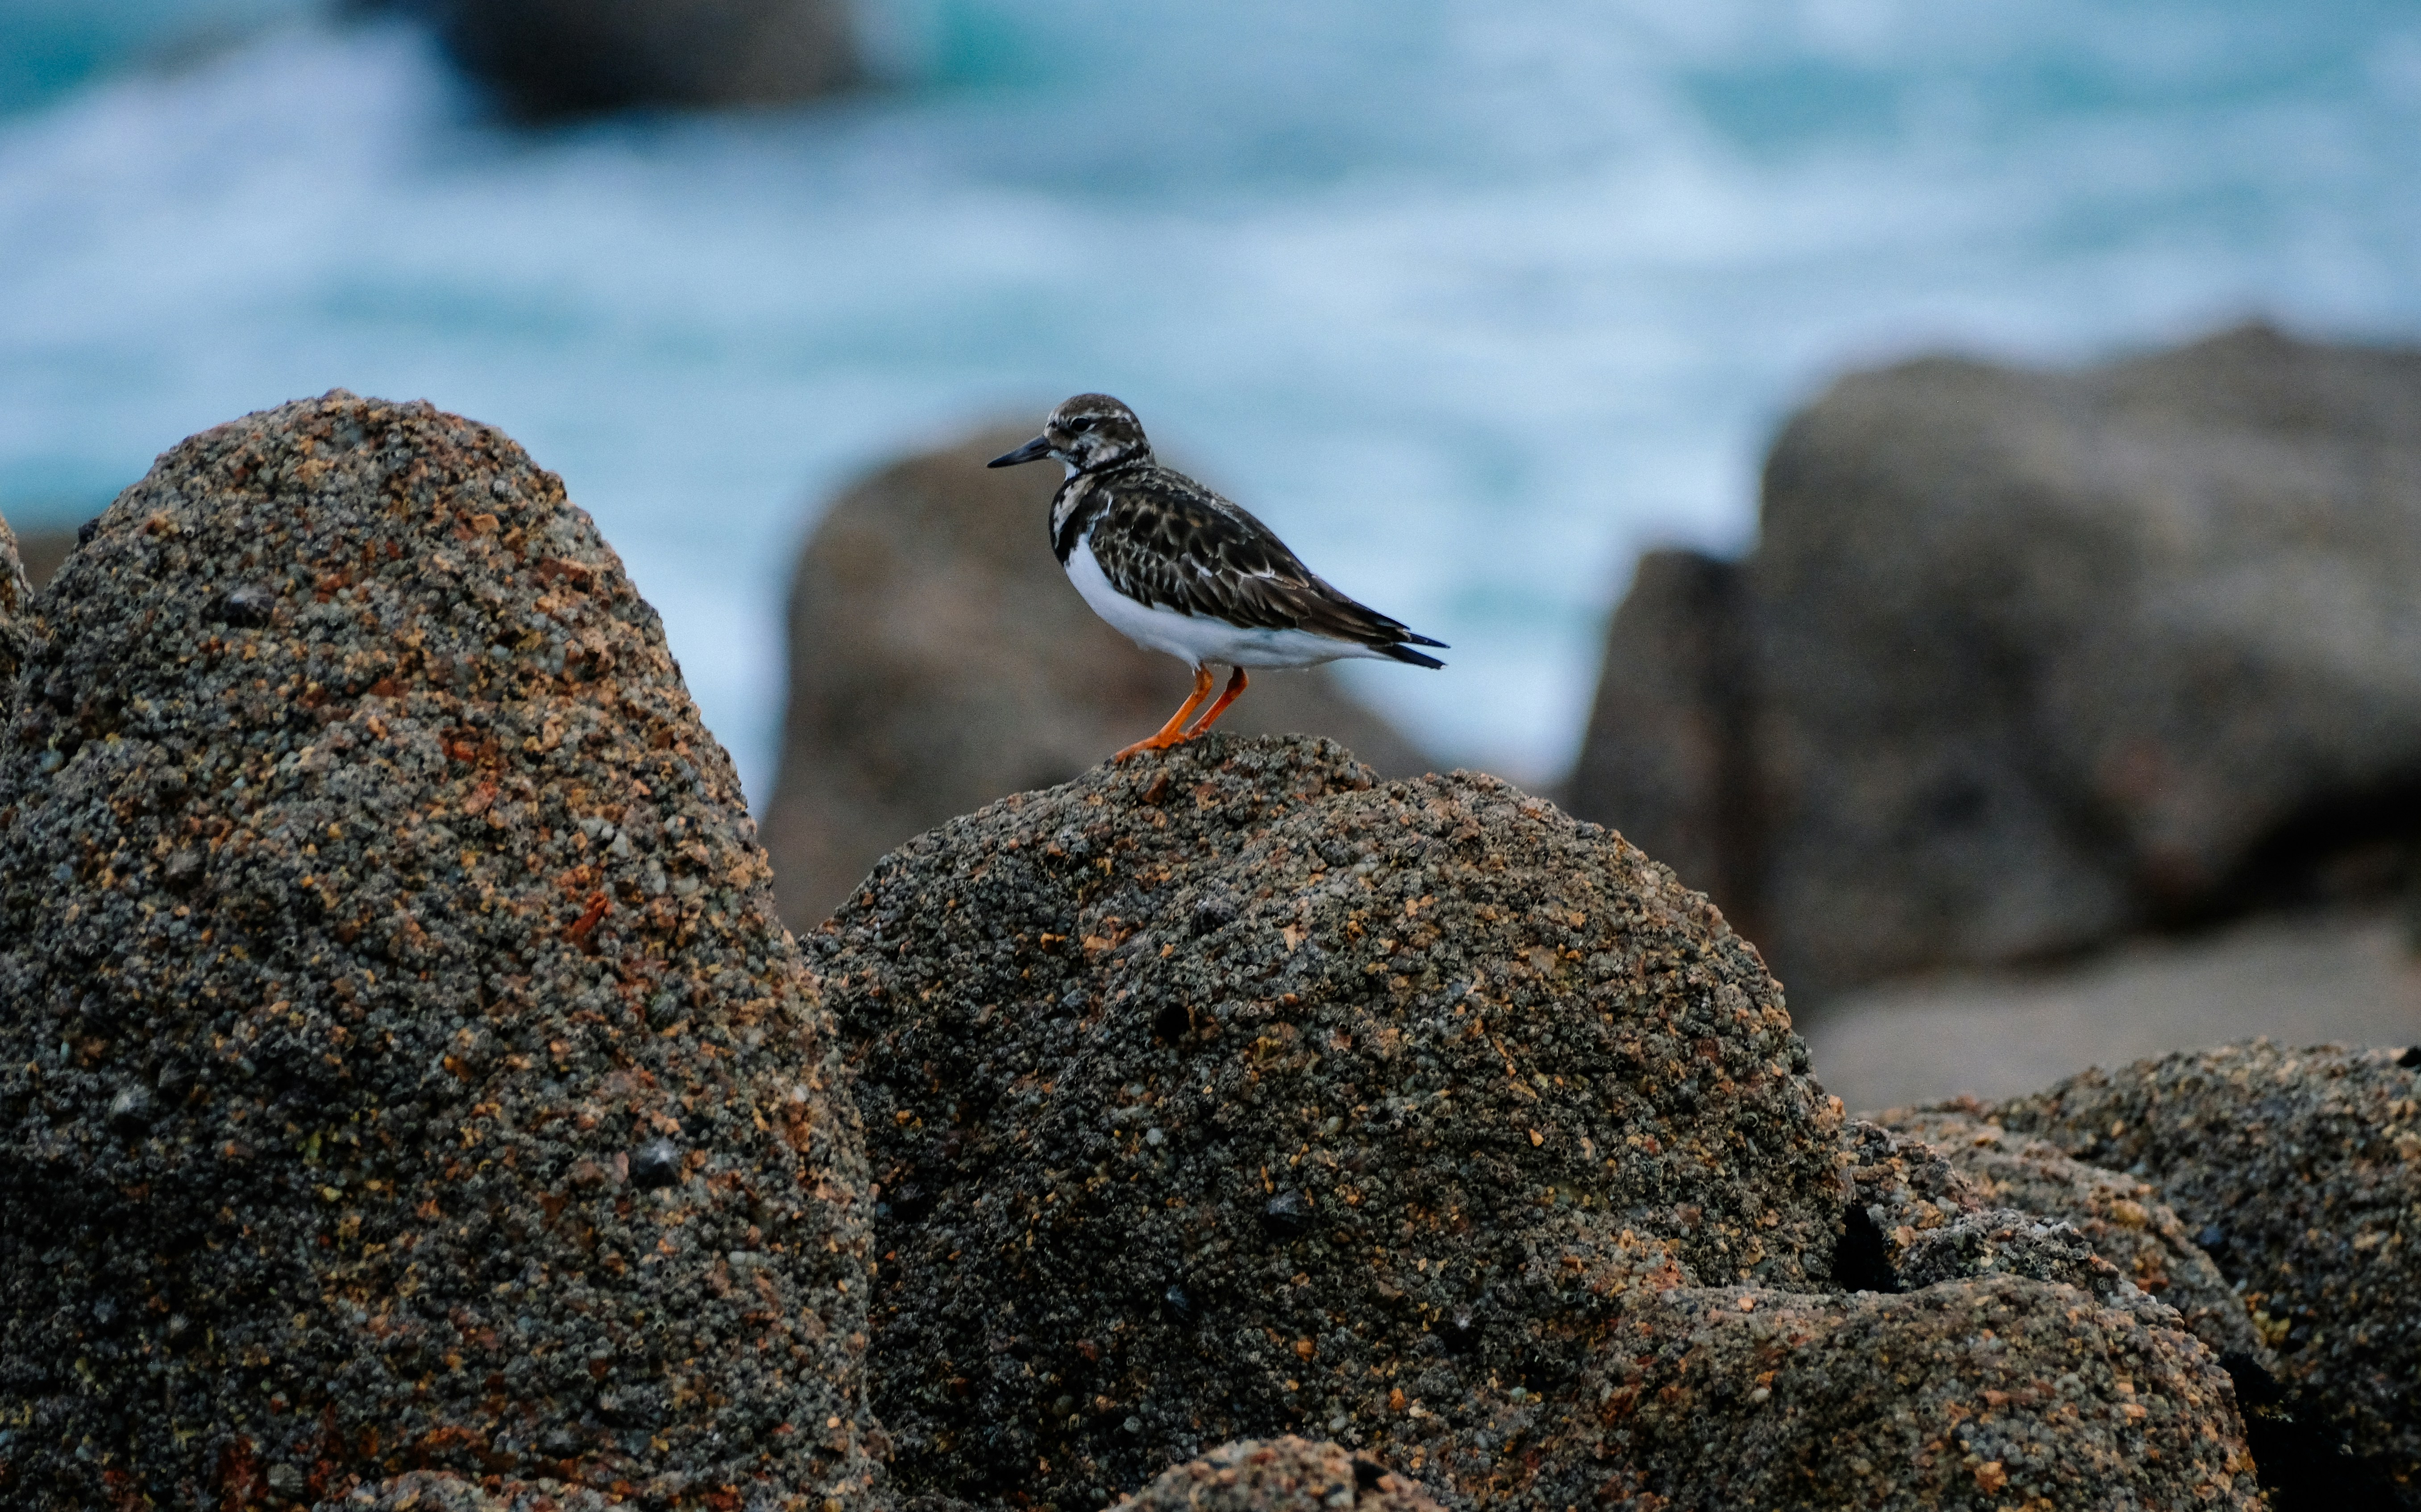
[[2027, 662], [575, 57], [940, 660], [1667, 741]]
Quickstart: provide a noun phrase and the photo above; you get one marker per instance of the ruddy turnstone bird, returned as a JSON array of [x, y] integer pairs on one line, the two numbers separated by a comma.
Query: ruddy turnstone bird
[[1175, 568]]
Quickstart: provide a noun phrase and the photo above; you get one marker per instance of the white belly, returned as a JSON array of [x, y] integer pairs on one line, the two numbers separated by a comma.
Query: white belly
[[1198, 640]]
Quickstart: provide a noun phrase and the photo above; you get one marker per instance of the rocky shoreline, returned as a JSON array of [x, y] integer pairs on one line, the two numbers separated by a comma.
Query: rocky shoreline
[[414, 1100]]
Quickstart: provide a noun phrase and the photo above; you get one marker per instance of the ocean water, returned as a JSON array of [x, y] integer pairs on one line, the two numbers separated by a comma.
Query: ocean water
[[1473, 301]]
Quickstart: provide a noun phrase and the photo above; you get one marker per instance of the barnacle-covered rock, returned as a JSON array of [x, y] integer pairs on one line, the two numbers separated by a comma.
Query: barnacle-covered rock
[[2298, 1172], [374, 911], [2121, 1217], [1995, 1392], [1917, 1221], [1232, 1093]]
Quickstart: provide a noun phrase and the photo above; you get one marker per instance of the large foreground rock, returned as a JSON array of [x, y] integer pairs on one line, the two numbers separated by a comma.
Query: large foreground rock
[[402, 1067], [2300, 1172], [2024, 660], [939, 660], [566, 57], [1233, 1093]]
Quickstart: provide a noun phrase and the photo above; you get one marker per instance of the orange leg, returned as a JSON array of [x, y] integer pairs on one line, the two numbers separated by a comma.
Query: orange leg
[[1173, 732], [1236, 684]]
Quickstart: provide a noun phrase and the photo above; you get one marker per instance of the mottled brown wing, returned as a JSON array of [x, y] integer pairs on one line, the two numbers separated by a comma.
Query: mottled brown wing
[[1163, 539]]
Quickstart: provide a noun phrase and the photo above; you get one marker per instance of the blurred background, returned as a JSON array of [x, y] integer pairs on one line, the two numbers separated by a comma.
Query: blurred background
[[1474, 302]]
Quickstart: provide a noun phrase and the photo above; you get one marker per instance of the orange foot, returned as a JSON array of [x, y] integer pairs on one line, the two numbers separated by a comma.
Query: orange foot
[[1175, 732]]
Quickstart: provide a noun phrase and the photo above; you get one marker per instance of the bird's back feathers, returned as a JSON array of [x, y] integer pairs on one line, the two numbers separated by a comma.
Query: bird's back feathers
[[1165, 540]]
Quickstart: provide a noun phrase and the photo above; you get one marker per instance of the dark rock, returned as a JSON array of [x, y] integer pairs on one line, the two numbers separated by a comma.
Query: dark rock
[[2004, 1242], [1493, 1051], [17, 629], [1545, 1106], [2303, 1466], [939, 661], [1995, 1392], [375, 1228], [1286, 1474], [1931, 1224], [2121, 1217], [434, 1491], [2309, 1161], [2035, 660], [576, 57]]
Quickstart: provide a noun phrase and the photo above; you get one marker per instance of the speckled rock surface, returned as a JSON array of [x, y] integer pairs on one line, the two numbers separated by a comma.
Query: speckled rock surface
[[2121, 1217], [1997, 1392], [404, 1069], [423, 1491], [1925, 1222], [1230, 1093], [1284, 1475], [16, 619], [2299, 1171]]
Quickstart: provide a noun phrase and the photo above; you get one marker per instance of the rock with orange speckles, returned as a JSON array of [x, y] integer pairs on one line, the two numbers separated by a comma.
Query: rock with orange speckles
[[1998, 1392], [2299, 1171], [1284, 1475], [373, 903], [1232, 1092], [2120, 1216], [422, 1490], [1923, 1222]]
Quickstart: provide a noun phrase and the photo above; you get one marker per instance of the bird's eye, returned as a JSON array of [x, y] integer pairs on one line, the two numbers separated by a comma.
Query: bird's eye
[[1082, 422]]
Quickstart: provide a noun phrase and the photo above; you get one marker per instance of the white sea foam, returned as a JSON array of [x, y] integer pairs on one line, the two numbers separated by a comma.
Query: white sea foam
[[1472, 301]]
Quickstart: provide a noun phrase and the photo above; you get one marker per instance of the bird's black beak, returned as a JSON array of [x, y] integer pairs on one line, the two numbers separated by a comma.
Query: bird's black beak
[[1033, 451]]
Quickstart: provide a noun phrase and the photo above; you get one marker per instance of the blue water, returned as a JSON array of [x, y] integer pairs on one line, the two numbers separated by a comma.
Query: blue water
[[1472, 300]]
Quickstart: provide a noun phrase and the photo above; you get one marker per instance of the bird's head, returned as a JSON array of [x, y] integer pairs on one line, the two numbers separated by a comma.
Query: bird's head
[[1089, 432]]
